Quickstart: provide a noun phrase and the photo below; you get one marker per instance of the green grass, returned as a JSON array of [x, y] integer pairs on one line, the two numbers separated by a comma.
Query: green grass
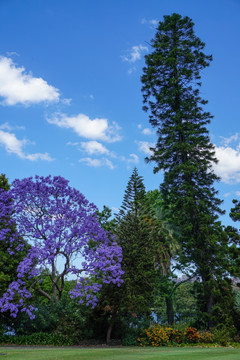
[[125, 353]]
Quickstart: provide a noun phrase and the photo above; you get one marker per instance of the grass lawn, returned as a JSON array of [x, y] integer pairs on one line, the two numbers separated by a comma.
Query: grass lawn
[[125, 353]]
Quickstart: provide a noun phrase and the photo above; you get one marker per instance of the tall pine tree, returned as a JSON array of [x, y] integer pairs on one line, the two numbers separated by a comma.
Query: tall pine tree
[[171, 92]]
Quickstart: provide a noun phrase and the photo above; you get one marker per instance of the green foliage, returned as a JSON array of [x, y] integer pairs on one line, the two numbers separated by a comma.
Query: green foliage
[[106, 221], [66, 317], [223, 335], [129, 340], [234, 239], [185, 302]]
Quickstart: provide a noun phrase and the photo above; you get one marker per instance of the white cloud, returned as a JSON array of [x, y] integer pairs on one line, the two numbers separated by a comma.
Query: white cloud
[[144, 146], [133, 159], [18, 87], [67, 101], [15, 146], [228, 167], [96, 129], [237, 193], [152, 22], [135, 53], [231, 139], [38, 156], [6, 126], [147, 131], [97, 162], [94, 147]]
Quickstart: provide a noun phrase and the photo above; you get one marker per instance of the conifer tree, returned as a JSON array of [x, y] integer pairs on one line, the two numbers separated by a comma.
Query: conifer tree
[[137, 249], [183, 151]]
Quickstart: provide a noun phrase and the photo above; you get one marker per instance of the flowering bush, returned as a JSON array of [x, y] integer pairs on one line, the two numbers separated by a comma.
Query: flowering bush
[[174, 335], [191, 335], [157, 335]]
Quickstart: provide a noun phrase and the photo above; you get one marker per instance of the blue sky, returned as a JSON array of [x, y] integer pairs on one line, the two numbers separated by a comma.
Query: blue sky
[[70, 90]]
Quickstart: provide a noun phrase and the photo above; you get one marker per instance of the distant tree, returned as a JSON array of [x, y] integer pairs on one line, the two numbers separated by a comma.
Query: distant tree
[[61, 226], [171, 82]]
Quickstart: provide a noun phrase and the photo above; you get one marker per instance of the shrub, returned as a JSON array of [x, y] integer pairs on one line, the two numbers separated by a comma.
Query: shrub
[[206, 337], [155, 335], [175, 335], [222, 336], [191, 335], [129, 340]]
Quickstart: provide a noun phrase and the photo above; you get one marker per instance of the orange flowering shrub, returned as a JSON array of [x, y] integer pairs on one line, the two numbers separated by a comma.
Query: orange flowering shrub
[[154, 336], [175, 336], [191, 335], [157, 335]]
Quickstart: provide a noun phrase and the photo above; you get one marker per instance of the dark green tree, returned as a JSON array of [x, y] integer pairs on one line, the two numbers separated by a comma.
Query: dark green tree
[[171, 92], [133, 235]]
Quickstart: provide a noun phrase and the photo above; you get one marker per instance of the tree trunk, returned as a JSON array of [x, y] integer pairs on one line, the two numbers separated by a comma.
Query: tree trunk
[[110, 327], [170, 310], [210, 304]]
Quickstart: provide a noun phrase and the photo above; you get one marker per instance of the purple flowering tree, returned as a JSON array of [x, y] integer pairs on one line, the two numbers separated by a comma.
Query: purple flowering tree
[[62, 228]]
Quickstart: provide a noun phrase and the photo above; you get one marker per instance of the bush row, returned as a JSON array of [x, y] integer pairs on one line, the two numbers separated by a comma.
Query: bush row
[[158, 335], [155, 335], [37, 339]]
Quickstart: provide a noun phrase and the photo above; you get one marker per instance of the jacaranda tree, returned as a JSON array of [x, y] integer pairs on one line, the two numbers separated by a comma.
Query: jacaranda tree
[[66, 239]]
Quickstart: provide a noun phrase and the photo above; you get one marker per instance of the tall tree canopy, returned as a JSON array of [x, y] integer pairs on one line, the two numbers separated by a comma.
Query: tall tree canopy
[[59, 223], [171, 92]]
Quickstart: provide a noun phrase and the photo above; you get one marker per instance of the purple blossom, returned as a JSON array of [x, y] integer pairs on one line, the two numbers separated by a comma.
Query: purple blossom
[[57, 220]]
